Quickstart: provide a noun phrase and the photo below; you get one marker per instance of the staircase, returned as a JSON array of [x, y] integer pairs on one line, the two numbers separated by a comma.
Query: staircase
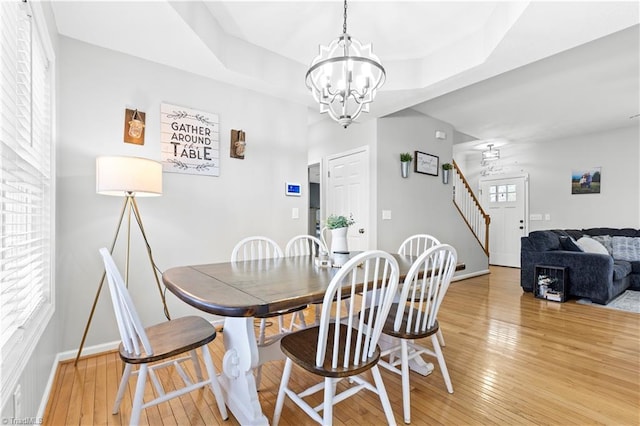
[[469, 207]]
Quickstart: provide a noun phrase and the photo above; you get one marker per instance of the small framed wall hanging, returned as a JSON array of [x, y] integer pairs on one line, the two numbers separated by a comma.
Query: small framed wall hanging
[[426, 163]]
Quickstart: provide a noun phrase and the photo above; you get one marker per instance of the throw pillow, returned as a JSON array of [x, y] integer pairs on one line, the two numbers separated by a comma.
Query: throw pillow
[[569, 244], [626, 248], [589, 245], [605, 240]]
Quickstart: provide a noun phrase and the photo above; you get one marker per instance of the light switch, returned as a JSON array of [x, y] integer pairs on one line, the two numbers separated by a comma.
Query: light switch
[[547, 216], [295, 213], [535, 216], [386, 214]]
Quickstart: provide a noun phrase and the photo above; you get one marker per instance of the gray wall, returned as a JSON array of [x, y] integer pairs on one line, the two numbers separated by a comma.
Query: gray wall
[[418, 204], [199, 218], [549, 164]]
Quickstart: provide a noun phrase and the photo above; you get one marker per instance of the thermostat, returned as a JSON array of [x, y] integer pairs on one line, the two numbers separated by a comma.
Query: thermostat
[[293, 189]]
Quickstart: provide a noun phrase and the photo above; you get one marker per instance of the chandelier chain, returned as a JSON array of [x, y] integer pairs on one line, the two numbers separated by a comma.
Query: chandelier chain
[[344, 25]]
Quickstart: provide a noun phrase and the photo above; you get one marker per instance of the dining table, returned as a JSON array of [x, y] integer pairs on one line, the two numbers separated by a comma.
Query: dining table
[[240, 291]]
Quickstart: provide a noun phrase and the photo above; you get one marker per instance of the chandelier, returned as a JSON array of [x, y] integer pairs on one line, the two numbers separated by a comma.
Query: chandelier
[[344, 77], [490, 154]]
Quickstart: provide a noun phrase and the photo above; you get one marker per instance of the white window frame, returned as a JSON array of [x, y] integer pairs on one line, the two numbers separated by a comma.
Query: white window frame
[[17, 347]]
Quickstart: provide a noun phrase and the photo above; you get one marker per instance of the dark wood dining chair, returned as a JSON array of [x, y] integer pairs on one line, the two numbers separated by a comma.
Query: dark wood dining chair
[[424, 289], [156, 347], [336, 351]]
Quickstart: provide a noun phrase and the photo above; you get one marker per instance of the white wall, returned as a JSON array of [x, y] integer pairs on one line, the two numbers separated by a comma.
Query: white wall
[[550, 163], [199, 218]]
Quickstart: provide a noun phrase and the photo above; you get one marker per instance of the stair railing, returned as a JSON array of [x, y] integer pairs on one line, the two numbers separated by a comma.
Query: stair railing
[[467, 204]]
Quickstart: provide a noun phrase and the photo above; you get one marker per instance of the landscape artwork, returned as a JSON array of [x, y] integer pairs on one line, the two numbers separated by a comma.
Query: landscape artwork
[[586, 181]]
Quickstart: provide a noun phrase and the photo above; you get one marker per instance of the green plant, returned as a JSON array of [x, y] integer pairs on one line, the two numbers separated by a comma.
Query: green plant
[[405, 156], [335, 221], [447, 166]]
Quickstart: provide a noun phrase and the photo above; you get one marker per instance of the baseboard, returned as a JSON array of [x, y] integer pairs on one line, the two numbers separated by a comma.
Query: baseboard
[[64, 356], [471, 275], [90, 350]]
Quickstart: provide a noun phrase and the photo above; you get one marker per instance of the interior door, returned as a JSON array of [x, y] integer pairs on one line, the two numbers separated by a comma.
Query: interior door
[[348, 194], [505, 200]]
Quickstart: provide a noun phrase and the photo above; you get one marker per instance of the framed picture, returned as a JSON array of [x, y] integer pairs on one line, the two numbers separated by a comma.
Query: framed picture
[[426, 163], [586, 181]]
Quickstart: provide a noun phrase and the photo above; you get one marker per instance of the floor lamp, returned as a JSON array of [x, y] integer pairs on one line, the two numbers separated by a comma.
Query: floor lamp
[[127, 177]]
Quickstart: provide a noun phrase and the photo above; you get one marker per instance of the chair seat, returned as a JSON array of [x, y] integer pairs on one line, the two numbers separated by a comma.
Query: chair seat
[[172, 338], [402, 333], [283, 312], [301, 348]]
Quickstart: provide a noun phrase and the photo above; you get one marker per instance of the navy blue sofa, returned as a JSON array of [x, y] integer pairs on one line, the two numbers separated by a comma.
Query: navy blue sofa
[[598, 277]]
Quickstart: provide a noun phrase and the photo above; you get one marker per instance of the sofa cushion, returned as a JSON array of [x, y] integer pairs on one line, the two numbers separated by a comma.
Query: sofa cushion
[[626, 248], [614, 232], [605, 240], [621, 269], [589, 245], [635, 266], [544, 240], [569, 244]]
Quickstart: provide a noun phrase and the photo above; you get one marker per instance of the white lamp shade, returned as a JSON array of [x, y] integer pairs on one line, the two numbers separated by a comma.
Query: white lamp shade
[[121, 175]]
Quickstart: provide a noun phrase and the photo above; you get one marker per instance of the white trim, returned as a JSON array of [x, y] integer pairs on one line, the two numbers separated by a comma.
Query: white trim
[[470, 275], [92, 350]]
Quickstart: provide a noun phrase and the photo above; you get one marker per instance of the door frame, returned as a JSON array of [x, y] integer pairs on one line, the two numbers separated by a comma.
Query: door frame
[[324, 188], [525, 177]]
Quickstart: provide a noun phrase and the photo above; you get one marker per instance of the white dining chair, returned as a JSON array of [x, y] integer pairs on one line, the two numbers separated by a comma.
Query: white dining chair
[[343, 350], [261, 248], [415, 245], [424, 289], [156, 347], [305, 245]]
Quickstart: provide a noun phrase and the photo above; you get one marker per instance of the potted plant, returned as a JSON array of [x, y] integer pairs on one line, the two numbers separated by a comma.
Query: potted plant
[[338, 225], [445, 172], [405, 160]]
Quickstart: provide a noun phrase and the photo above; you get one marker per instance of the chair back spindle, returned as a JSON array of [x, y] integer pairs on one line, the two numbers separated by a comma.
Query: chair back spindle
[[256, 248], [131, 330], [426, 285], [368, 280], [304, 245]]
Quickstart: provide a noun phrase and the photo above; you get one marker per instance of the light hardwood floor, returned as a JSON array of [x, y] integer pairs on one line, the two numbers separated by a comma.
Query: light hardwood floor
[[513, 359]]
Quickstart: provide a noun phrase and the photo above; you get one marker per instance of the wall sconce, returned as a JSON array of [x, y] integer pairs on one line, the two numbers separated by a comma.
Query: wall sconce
[[238, 144], [134, 126]]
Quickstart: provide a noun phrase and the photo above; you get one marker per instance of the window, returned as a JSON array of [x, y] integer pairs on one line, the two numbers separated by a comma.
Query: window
[[26, 190], [502, 193]]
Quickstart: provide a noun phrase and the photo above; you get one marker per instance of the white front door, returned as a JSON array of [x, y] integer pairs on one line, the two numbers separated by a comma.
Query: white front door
[[505, 200], [348, 194]]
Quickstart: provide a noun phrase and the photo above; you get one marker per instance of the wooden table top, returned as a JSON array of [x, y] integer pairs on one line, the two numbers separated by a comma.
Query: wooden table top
[[257, 287]]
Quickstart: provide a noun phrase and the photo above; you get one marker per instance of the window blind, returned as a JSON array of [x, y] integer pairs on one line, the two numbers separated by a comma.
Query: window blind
[[25, 190]]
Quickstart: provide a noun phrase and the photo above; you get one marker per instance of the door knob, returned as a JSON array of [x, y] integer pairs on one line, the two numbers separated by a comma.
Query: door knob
[[522, 227], [361, 230], [521, 221]]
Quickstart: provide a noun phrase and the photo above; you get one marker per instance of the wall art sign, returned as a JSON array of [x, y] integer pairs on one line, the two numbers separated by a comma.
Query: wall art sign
[[190, 141], [586, 181], [426, 163], [134, 126]]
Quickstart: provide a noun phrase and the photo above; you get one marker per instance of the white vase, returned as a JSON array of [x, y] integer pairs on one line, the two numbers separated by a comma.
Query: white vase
[[445, 176], [338, 240]]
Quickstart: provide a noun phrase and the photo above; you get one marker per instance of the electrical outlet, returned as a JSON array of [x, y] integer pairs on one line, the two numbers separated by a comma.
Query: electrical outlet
[[295, 213], [386, 214]]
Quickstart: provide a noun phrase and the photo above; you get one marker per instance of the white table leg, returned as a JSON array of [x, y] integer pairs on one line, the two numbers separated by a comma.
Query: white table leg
[[237, 381]]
